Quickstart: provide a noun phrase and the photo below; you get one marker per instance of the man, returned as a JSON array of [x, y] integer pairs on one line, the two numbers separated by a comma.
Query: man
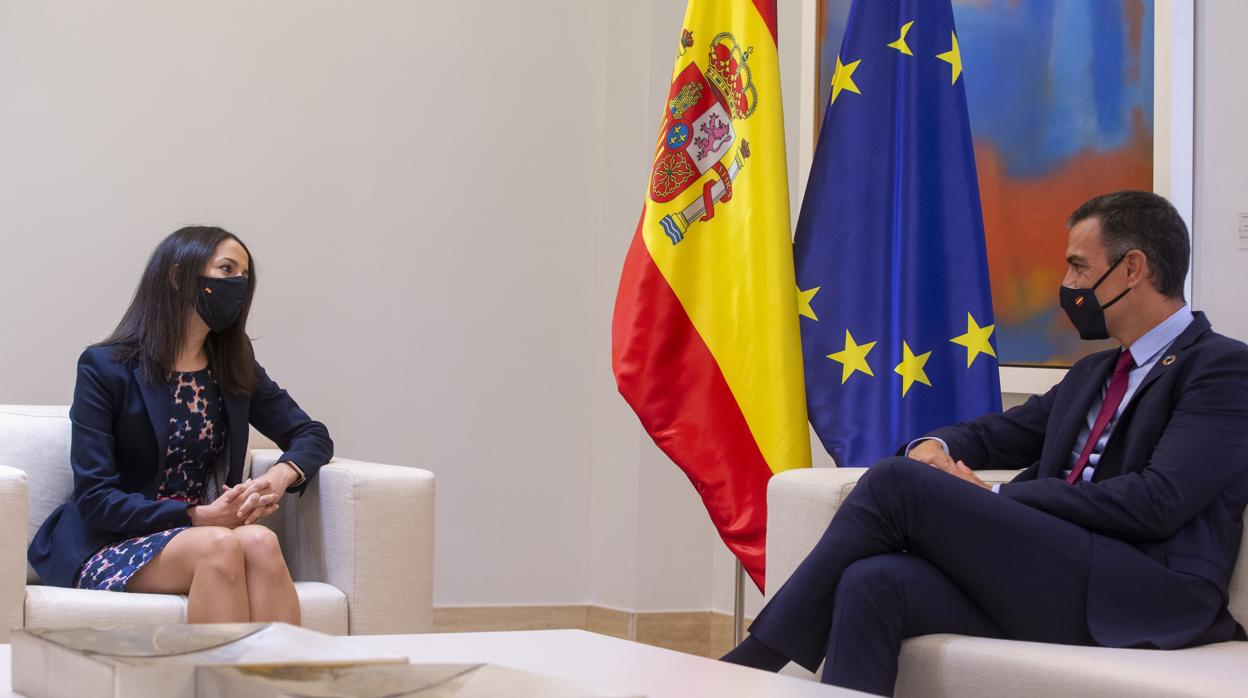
[[1122, 529]]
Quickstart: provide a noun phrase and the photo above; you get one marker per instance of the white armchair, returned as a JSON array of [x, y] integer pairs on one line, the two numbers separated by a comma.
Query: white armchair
[[800, 503], [359, 542]]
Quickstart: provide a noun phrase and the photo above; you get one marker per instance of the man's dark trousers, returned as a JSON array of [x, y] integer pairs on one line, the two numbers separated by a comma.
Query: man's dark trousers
[[912, 551]]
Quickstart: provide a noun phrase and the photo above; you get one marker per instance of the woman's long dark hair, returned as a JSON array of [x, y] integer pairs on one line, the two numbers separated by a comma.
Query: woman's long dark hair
[[152, 330]]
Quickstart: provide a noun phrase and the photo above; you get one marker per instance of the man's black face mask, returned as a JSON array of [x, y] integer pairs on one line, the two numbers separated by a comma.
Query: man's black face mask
[[1085, 312]]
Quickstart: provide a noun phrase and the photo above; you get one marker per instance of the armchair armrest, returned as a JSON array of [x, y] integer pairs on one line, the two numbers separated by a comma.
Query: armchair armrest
[[367, 529], [12, 550], [801, 502]]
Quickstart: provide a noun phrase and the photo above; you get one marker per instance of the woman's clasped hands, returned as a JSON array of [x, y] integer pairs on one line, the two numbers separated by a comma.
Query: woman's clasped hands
[[248, 501]]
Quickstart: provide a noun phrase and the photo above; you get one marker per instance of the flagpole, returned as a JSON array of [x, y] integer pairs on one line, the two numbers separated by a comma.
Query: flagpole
[[738, 607]]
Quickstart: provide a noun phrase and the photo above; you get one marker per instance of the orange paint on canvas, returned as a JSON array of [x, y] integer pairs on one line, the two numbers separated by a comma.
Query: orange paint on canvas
[[1025, 220]]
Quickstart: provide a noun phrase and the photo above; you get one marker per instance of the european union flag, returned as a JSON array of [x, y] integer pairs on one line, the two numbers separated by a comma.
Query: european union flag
[[892, 270]]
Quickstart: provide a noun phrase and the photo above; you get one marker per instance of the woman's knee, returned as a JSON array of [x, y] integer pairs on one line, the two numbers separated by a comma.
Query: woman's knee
[[260, 548], [220, 554]]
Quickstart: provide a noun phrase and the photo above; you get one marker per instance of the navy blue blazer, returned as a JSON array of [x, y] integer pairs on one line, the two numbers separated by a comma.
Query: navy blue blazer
[[1168, 494], [120, 430]]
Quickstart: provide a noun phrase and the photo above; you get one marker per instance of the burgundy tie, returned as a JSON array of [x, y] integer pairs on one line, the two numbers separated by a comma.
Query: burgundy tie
[[1113, 397]]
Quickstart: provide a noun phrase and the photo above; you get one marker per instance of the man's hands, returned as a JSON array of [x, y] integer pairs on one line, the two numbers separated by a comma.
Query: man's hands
[[930, 452], [246, 502]]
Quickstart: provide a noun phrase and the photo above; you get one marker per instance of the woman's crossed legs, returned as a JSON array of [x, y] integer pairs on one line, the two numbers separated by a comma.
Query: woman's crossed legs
[[229, 575]]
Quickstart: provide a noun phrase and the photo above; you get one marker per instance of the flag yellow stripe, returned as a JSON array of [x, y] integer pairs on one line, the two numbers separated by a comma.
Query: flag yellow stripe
[[734, 273]]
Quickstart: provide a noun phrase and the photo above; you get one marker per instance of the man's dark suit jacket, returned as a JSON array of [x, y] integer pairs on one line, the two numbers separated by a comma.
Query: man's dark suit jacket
[[120, 429], [1168, 495]]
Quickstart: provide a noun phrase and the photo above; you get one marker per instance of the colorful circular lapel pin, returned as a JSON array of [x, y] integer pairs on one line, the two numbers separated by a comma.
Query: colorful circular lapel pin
[[1168, 360]]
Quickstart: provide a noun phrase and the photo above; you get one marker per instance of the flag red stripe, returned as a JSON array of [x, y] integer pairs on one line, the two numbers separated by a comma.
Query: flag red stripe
[[670, 378], [767, 9]]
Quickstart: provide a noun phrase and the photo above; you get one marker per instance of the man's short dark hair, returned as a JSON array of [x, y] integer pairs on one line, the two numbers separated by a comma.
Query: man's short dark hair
[[1144, 221]]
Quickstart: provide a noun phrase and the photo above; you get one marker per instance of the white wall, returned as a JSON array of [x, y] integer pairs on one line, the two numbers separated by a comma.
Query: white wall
[[1221, 267]]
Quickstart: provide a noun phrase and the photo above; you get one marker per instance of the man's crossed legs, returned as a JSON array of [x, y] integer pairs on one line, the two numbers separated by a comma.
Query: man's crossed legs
[[912, 551]]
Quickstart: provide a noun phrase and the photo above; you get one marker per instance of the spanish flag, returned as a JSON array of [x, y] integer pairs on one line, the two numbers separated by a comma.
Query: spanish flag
[[705, 340]]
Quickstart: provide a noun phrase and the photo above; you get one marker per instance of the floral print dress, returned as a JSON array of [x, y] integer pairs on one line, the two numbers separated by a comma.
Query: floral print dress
[[197, 434]]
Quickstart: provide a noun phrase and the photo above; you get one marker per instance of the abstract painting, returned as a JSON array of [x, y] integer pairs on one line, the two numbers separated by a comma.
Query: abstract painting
[[1060, 94]]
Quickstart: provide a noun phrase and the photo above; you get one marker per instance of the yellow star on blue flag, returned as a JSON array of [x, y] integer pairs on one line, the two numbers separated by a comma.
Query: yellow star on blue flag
[[803, 303], [900, 43], [853, 357], [843, 78], [954, 58], [975, 339], [911, 369]]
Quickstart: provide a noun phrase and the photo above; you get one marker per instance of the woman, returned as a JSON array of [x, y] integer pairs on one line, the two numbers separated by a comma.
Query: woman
[[159, 421]]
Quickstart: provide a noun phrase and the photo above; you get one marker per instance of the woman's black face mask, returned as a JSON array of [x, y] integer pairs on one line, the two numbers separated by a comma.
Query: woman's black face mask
[[220, 301]]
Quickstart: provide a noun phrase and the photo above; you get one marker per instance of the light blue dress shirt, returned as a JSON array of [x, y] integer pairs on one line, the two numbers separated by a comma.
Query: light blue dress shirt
[[1146, 351]]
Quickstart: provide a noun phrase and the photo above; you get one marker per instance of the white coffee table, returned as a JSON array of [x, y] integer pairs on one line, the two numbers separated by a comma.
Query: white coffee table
[[576, 655]]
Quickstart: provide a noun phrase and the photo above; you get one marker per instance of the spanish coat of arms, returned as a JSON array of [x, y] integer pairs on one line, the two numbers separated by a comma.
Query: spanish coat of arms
[[697, 134]]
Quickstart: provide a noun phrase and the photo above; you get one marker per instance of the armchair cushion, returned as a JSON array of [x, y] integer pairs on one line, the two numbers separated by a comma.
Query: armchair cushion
[[323, 607], [956, 666]]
